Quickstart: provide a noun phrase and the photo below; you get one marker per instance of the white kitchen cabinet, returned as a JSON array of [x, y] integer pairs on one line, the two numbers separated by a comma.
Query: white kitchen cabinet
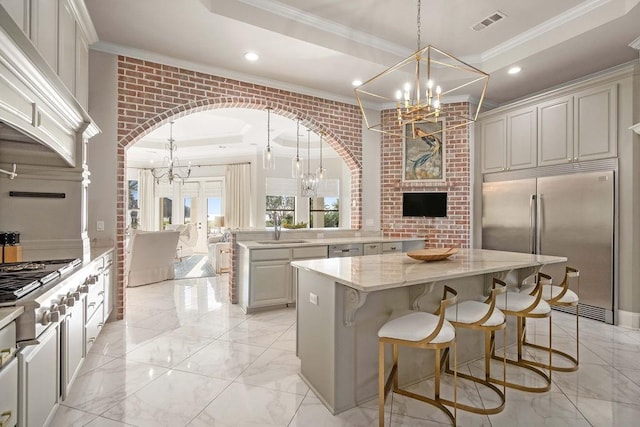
[[493, 138], [270, 283], [93, 328], [66, 44], [107, 285], [44, 29], [81, 88], [521, 139], [509, 141], [39, 379], [19, 12], [595, 123], [9, 394], [555, 131], [72, 344]]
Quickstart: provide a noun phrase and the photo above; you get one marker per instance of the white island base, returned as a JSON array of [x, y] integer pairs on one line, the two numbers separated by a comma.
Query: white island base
[[342, 302]]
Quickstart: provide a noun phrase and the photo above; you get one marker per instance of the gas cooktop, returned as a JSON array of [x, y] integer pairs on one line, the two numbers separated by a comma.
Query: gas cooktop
[[18, 279]]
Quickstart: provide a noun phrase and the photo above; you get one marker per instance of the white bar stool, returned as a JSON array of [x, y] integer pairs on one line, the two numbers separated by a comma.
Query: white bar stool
[[482, 316], [524, 306], [559, 296], [419, 330]]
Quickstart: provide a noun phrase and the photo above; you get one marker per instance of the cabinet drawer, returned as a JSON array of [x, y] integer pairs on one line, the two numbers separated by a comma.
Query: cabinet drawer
[[270, 254], [372, 248], [95, 297], [94, 325], [310, 252], [392, 247], [9, 393]]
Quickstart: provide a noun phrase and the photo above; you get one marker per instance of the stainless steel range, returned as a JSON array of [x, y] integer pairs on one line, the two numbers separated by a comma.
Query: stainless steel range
[[41, 287]]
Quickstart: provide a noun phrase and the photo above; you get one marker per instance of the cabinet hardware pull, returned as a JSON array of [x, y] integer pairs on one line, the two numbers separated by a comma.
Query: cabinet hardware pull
[[92, 340], [92, 304], [100, 325], [101, 293], [6, 415]]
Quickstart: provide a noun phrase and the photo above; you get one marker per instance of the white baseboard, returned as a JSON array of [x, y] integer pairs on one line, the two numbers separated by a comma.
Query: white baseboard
[[629, 319]]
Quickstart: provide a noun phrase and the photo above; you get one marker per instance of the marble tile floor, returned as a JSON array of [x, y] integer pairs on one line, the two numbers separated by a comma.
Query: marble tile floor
[[185, 356]]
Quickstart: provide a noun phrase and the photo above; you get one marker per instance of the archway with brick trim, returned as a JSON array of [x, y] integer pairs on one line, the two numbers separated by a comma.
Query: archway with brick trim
[[353, 162]]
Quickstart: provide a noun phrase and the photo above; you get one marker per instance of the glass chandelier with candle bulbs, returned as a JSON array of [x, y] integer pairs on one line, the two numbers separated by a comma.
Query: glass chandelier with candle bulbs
[[418, 86], [171, 170], [308, 180]]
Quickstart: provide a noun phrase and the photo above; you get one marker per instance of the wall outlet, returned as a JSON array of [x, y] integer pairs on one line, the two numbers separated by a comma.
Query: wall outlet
[[100, 226], [313, 298]]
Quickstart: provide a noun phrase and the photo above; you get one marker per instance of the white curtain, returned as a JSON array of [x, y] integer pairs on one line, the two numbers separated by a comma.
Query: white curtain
[[237, 197], [146, 199]]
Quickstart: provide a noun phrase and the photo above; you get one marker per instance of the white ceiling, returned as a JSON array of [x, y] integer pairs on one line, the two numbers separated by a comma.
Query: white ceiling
[[319, 46]]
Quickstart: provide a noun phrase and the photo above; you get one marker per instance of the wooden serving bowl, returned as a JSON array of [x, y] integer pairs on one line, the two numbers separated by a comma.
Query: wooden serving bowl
[[432, 254]]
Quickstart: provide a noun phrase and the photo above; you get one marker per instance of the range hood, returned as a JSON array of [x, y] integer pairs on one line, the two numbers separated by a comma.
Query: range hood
[[40, 120]]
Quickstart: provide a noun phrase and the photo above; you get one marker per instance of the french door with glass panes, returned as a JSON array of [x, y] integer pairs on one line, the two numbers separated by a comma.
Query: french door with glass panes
[[201, 201]]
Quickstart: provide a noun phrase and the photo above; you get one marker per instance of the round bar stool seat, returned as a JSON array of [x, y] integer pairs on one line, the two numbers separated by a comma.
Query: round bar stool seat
[[419, 330], [417, 326]]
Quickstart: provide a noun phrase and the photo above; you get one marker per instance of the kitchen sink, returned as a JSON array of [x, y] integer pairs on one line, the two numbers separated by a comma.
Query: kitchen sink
[[280, 242]]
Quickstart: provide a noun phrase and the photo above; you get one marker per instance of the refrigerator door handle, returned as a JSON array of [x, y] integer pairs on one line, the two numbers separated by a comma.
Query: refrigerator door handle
[[532, 223]]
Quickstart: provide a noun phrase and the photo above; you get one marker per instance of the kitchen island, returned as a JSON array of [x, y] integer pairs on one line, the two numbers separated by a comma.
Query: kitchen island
[[342, 302]]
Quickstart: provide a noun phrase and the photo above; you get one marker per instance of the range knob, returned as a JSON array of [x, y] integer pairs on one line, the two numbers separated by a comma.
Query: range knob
[[62, 309], [48, 317], [68, 300], [91, 280], [83, 289]]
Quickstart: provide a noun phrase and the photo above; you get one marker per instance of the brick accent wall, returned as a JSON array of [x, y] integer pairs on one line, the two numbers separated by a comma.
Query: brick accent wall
[[453, 230], [152, 94]]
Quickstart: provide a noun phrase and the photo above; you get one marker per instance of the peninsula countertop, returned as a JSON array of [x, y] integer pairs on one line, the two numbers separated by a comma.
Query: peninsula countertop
[[378, 272], [327, 241]]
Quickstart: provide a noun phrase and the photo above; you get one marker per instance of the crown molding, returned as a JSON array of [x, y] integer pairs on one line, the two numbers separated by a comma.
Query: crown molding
[[545, 27], [635, 44], [116, 49], [84, 20], [291, 13]]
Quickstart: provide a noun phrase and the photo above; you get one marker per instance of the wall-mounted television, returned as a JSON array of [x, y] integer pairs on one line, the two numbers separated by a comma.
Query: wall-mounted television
[[424, 204]]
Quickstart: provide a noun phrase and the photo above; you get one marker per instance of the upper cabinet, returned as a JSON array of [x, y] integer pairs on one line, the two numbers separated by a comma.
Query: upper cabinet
[[61, 31], [595, 123], [572, 128], [555, 131], [509, 141], [19, 12]]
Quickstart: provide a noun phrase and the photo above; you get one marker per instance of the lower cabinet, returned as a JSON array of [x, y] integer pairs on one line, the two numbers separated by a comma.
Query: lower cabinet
[[372, 249], [9, 394], [270, 283], [72, 344], [39, 379]]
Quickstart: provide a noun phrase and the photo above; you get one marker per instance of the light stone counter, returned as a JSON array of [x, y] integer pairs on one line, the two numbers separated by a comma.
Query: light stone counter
[[290, 243], [379, 272], [343, 302]]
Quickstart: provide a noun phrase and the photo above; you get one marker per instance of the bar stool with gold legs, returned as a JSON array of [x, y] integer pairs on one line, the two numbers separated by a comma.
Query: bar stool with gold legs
[[419, 330], [482, 316], [559, 296], [524, 306]]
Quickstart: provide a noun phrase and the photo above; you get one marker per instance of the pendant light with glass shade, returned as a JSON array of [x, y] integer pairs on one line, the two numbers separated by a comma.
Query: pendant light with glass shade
[[268, 158], [308, 181], [296, 162], [321, 170]]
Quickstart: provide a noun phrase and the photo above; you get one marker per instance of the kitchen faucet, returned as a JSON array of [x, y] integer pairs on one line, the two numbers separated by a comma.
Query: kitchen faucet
[[277, 224]]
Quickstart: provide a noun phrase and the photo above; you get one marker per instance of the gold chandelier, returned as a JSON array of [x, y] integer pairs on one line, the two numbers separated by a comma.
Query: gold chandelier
[[417, 86], [171, 170]]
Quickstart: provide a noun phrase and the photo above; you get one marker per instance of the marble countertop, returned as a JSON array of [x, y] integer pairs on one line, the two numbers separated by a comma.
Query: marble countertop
[[324, 242], [9, 314], [379, 272]]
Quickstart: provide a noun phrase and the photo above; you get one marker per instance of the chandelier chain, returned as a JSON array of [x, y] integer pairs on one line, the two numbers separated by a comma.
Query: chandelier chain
[[419, 25]]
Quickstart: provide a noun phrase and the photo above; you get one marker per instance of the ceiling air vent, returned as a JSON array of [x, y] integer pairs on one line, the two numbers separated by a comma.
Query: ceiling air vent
[[489, 20]]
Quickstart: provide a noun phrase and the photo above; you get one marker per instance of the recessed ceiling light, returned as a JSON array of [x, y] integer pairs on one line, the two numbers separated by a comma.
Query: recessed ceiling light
[[251, 56], [356, 83], [514, 70]]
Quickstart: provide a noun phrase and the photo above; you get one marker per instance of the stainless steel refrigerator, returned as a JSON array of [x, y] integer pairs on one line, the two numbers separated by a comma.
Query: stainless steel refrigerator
[[567, 215]]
